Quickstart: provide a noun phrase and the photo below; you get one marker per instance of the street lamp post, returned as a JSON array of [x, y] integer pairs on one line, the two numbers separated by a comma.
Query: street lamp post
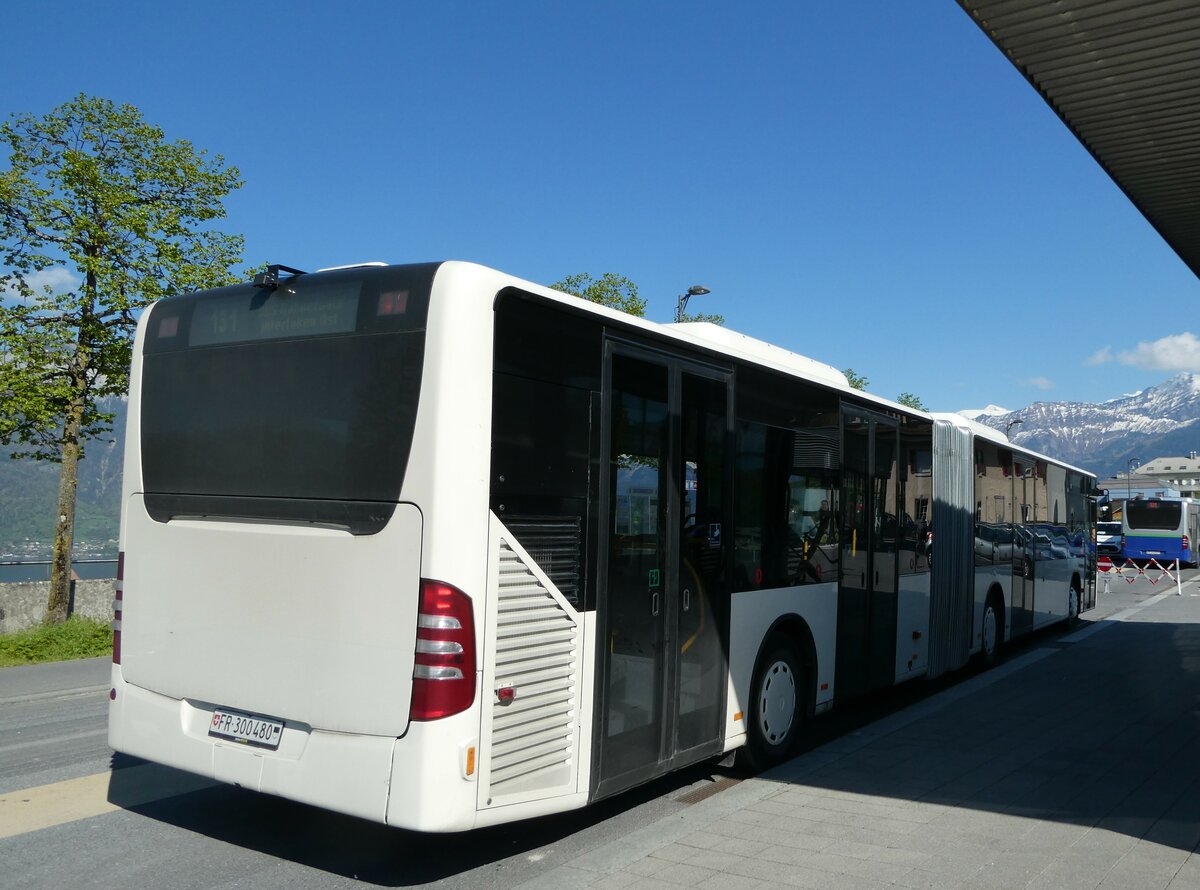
[[1129, 465], [1010, 425], [695, 290]]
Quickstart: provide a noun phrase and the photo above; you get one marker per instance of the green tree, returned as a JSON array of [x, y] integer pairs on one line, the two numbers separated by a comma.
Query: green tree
[[610, 289], [704, 316], [907, 398], [855, 381], [96, 199]]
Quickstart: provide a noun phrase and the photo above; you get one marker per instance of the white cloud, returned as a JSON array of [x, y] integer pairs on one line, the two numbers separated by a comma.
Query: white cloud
[[1040, 382], [1100, 357], [57, 279], [1177, 352]]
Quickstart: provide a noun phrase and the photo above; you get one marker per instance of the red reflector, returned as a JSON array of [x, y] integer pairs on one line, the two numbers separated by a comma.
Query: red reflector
[[505, 694]]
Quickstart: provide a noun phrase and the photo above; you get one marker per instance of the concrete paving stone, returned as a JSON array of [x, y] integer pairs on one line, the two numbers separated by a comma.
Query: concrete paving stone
[[1084, 874], [1179, 883], [970, 837], [809, 878], [1009, 869], [1179, 828], [1153, 872], [819, 814], [992, 824], [751, 816], [727, 881], [704, 840], [713, 859], [777, 872], [1126, 881], [684, 874], [925, 810], [854, 849], [860, 868], [798, 833], [1102, 842], [794, 856], [648, 867], [860, 835], [901, 856], [651, 884], [1155, 852], [1041, 836], [785, 834], [740, 846], [934, 843], [796, 770], [620, 880], [919, 879], [1073, 881], [959, 861], [861, 804], [564, 877], [1190, 870], [728, 826]]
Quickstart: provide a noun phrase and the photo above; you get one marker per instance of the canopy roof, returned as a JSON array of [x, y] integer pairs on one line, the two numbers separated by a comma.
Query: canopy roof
[[1124, 76]]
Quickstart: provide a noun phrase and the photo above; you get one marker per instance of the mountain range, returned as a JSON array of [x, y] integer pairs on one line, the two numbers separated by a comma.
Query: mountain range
[[29, 492], [1160, 421]]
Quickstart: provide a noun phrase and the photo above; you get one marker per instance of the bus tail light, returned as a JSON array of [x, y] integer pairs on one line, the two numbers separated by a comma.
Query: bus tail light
[[444, 672], [1186, 548], [118, 598]]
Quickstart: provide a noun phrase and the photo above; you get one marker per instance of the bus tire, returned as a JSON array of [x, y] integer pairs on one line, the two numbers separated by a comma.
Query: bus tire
[[993, 631], [778, 704], [1074, 597]]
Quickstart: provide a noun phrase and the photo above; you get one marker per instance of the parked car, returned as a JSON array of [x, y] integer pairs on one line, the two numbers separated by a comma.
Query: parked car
[[1108, 539]]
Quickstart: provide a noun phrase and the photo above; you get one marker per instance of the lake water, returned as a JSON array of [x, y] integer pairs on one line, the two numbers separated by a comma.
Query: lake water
[[40, 571]]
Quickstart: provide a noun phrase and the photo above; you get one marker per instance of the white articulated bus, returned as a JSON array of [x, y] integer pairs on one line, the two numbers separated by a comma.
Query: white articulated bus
[[441, 548]]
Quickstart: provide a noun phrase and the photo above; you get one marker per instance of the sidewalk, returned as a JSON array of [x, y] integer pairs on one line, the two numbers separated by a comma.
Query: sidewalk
[[1075, 764]]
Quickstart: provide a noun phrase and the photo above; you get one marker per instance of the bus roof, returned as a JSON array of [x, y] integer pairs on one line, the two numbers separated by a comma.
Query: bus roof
[[717, 339]]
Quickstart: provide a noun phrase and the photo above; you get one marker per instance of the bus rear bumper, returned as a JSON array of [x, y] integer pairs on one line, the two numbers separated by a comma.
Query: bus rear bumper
[[344, 772]]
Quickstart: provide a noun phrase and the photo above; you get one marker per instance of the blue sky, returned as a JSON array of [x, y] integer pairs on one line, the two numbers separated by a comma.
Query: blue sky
[[870, 184]]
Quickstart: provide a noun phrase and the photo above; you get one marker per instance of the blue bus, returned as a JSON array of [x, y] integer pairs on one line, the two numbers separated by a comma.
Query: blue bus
[[1163, 529]]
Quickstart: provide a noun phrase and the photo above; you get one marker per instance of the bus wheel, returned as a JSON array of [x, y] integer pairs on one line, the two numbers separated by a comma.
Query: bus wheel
[[777, 707], [1073, 604], [993, 632]]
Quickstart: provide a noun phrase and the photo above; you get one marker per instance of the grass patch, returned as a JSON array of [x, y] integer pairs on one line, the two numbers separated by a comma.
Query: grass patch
[[77, 637]]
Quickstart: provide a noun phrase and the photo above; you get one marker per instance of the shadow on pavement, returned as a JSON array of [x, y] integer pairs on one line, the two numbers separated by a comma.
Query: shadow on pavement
[[1103, 732], [355, 848]]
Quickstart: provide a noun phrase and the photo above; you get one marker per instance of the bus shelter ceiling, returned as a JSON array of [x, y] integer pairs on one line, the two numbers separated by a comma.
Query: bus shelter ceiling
[[1124, 76]]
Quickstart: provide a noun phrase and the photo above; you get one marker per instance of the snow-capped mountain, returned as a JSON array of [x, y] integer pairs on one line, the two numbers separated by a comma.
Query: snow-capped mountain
[[1160, 421], [989, 411]]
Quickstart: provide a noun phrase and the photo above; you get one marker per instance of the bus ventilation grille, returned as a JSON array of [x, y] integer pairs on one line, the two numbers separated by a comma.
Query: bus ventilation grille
[[533, 736], [555, 544]]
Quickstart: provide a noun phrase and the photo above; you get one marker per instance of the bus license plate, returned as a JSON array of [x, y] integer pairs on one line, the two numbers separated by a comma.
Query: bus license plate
[[262, 732]]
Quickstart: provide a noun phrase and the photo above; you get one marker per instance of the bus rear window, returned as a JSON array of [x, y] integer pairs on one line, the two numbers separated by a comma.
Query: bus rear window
[[293, 406], [1154, 515]]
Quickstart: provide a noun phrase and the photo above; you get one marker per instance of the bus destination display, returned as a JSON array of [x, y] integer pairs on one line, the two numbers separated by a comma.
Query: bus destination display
[[284, 313]]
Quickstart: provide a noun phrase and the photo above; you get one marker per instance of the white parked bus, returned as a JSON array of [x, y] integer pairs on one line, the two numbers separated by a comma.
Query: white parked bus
[[441, 548]]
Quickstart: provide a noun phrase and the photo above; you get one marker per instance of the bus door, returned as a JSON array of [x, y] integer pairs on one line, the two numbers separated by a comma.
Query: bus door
[[663, 604], [866, 627], [1020, 617]]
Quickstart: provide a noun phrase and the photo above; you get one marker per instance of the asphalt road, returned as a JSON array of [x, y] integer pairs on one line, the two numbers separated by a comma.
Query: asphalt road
[[117, 821]]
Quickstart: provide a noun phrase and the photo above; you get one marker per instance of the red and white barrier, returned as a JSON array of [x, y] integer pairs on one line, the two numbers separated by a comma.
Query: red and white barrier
[[1106, 567]]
